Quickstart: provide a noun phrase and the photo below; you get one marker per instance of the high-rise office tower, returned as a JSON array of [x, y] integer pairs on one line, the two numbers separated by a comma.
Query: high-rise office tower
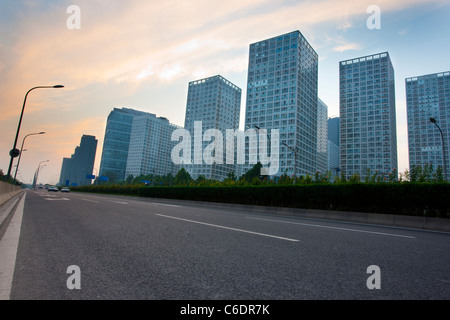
[[150, 146], [216, 103], [333, 145], [64, 177], [368, 137], [333, 130], [428, 96], [282, 94], [75, 169], [322, 137], [116, 143]]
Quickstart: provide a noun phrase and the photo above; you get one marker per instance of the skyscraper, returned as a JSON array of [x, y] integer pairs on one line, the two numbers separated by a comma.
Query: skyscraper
[[216, 103], [333, 145], [75, 169], [322, 137], [116, 143], [150, 146], [333, 130], [64, 177], [428, 96], [282, 94], [368, 137]]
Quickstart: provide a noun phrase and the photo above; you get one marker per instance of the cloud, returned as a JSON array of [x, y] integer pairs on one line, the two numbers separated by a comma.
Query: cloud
[[403, 32], [345, 25], [127, 48], [128, 42], [347, 47]]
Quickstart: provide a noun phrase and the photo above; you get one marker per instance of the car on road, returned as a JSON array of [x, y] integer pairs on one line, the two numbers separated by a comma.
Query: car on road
[[65, 189], [53, 188]]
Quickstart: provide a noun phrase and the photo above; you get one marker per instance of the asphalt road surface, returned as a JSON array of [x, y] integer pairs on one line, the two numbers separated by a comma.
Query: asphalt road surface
[[115, 247]]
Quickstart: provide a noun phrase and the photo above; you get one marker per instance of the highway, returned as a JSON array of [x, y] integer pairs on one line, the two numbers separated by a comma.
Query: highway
[[140, 248]]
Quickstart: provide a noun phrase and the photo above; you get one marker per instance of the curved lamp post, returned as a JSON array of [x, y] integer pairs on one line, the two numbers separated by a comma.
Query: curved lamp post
[[21, 150], [14, 151], [433, 120], [268, 137], [294, 150], [36, 175]]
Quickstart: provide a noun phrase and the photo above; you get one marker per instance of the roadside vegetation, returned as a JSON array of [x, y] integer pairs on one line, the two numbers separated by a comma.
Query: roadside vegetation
[[421, 192]]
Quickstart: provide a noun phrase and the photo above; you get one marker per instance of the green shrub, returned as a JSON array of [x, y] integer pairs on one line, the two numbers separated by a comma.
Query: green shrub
[[417, 199]]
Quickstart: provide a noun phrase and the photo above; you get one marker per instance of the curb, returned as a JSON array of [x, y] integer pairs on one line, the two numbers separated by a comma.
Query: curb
[[5, 197], [9, 204]]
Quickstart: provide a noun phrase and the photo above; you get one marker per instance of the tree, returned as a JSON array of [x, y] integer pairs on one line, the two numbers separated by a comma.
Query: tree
[[129, 179], [438, 176], [168, 179], [231, 176], [200, 179], [254, 172], [183, 177]]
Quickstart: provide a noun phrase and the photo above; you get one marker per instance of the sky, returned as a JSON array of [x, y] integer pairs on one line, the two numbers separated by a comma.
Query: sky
[[142, 55]]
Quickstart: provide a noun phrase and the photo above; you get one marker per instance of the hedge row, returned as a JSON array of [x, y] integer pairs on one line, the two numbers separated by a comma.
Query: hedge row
[[416, 199]]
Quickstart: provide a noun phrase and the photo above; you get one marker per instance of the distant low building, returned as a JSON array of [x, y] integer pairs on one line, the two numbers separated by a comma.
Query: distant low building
[[75, 171]]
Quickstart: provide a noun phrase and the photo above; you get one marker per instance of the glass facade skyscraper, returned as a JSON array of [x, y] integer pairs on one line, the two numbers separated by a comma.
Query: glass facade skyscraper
[[150, 146], [368, 134], [333, 145], [428, 96], [216, 102], [282, 94], [75, 169], [333, 130], [322, 137], [116, 143]]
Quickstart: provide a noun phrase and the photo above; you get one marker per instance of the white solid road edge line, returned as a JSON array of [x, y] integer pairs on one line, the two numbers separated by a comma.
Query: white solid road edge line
[[8, 251], [336, 228], [228, 228]]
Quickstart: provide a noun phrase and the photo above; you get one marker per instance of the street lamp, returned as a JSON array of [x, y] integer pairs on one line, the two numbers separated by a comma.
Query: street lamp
[[433, 120], [21, 150], [268, 137], [265, 133], [14, 151], [294, 150], [37, 173]]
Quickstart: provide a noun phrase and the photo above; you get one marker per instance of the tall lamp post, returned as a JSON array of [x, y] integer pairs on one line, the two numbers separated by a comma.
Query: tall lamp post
[[14, 153], [268, 137], [294, 150], [21, 150], [36, 175], [433, 120]]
